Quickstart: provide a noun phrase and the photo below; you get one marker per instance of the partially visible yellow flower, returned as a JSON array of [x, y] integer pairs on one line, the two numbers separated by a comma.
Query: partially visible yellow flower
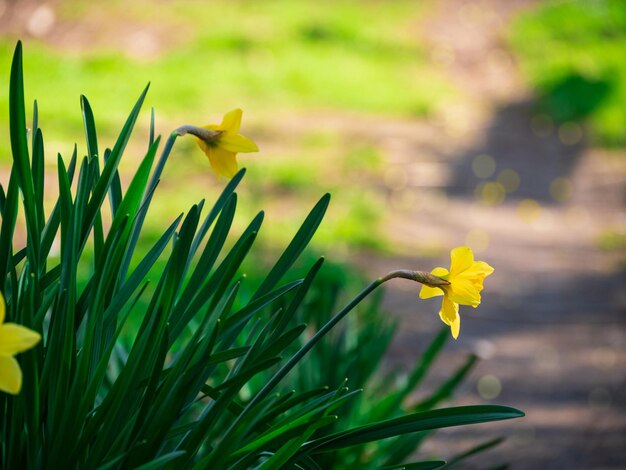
[[14, 339], [466, 282], [225, 143]]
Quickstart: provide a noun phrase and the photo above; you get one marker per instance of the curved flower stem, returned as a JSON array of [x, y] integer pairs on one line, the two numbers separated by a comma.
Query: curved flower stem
[[417, 276], [208, 135]]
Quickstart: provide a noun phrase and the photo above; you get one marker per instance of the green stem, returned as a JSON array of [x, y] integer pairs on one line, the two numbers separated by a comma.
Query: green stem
[[141, 215]]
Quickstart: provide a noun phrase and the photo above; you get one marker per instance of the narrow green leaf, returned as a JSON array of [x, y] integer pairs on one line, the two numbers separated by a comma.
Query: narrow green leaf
[[159, 462], [295, 248], [447, 417], [474, 450], [52, 225], [209, 255], [9, 218], [295, 303], [426, 465], [38, 174], [108, 172], [285, 433], [448, 387], [287, 450], [217, 208], [115, 191], [151, 135], [90, 128], [19, 147]]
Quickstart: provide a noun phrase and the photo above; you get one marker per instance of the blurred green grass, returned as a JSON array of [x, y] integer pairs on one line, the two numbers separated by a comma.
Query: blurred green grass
[[572, 53], [263, 56], [275, 60]]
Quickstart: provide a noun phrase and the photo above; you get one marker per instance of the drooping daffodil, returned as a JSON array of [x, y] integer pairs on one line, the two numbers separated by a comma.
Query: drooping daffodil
[[222, 142], [465, 279], [14, 339]]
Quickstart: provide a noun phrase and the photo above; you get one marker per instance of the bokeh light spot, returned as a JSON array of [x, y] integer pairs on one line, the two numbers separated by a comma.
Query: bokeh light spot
[[570, 133], [509, 179], [485, 349], [542, 125], [528, 210], [484, 166], [561, 189], [547, 358], [42, 21], [478, 239], [489, 387], [491, 193]]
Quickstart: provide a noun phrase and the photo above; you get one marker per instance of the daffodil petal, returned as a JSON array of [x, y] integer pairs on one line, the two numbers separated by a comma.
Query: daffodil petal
[[204, 147], [15, 339], [461, 259], [427, 292], [449, 311], [455, 327], [10, 375], [479, 268], [231, 121], [2, 309], [223, 162], [237, 143], [440, 272], [465, 292]]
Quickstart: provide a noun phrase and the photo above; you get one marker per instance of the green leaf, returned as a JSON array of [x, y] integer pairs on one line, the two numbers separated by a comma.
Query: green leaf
[[9, 218], [295, 248], [108, 172], [217, 208], [426, 465], [52, 225], [209, 255], [289, 448], [19, 147], [38, 174], [90, 128], [448, 387], [159, 462], [435, 419], [474, 450], [284, 433]]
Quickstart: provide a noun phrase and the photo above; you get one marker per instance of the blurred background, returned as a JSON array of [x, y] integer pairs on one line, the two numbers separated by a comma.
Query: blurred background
[[496, 124]]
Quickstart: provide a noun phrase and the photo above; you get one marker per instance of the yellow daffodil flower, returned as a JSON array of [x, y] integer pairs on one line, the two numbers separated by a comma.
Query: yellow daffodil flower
[[224, 143], [466, 282], [14, 339]]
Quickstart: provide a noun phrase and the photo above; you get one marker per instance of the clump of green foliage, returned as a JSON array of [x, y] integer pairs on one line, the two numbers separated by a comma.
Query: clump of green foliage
[[573, 54], [194, 386]]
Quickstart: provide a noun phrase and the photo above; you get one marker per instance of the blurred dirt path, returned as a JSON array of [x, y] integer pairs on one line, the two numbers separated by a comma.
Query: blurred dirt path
[[552, 326]]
